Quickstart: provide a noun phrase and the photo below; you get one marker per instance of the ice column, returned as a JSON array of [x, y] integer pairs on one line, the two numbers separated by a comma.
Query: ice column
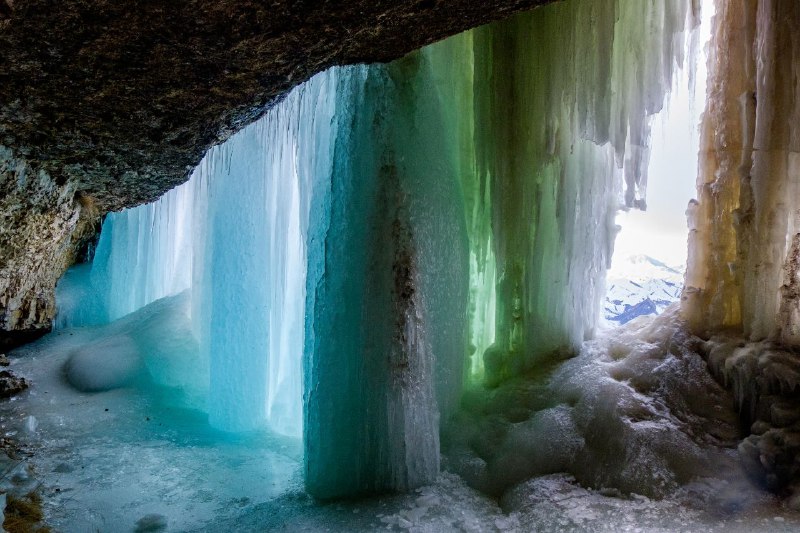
[[744, 252], [387, 287]]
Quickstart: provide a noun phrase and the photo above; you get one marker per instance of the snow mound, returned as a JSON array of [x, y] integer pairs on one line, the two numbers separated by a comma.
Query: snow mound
[[106, 364]]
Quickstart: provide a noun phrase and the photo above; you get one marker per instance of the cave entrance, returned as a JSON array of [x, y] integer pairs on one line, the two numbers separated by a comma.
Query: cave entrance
[[650, 251]]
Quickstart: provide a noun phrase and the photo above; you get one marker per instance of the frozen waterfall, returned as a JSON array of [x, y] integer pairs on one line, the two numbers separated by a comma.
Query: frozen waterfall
[[234, 236], [388, 235]]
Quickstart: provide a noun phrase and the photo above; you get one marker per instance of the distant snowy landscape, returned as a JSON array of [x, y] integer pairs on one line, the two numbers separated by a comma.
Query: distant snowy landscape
[[640, 285]]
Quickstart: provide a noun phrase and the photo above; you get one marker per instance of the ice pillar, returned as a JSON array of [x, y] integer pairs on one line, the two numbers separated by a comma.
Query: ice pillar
[[238, 292], [744, 253], [387, 285]]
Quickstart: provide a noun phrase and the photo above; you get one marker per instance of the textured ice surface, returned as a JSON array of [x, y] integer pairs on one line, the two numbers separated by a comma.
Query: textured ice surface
[[636, 411], [386, 287], [765, 380], [137, 457], [234, 235], [109, 459], [555, 129], [744, 254]]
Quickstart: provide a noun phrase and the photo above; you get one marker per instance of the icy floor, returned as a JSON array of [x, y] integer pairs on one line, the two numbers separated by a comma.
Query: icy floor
[[108, 459], [133, 459]]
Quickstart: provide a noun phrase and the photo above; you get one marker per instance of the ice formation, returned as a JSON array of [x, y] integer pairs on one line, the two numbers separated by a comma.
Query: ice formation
[[532, 162], [389, 232], [116, 460], [552, 146], [246, 309], [636, 411], [744, 248], [764, 377], [744, 254]]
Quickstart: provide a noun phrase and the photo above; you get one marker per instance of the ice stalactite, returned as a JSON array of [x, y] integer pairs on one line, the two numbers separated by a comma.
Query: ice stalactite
[[744, 256]]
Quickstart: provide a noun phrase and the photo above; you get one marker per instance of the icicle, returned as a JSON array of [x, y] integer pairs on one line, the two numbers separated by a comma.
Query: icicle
[[555, 110]]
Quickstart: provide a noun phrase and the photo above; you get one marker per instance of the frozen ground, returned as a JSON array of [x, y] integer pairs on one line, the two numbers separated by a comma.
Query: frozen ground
[[107, 460], [140, 458]]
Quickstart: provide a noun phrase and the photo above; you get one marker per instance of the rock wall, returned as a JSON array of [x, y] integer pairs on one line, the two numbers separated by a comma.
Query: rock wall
[[42, 226], [125, 98]]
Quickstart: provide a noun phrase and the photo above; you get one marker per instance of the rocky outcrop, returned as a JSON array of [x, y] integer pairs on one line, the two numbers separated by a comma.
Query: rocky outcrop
[[107, 104], [124, 98], [11, 384], [42, 224]]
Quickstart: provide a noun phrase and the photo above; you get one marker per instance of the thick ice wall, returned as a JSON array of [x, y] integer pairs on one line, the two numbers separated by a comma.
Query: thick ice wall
[[744, 249], [364, 149], [143, 254], [555, 110], [251, 264], [235, 235]]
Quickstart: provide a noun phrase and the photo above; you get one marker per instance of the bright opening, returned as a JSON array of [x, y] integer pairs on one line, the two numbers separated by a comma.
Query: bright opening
[[649, 261]]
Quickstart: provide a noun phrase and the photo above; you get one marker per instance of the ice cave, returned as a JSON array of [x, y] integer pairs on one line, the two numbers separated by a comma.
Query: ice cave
[[383, 296]]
